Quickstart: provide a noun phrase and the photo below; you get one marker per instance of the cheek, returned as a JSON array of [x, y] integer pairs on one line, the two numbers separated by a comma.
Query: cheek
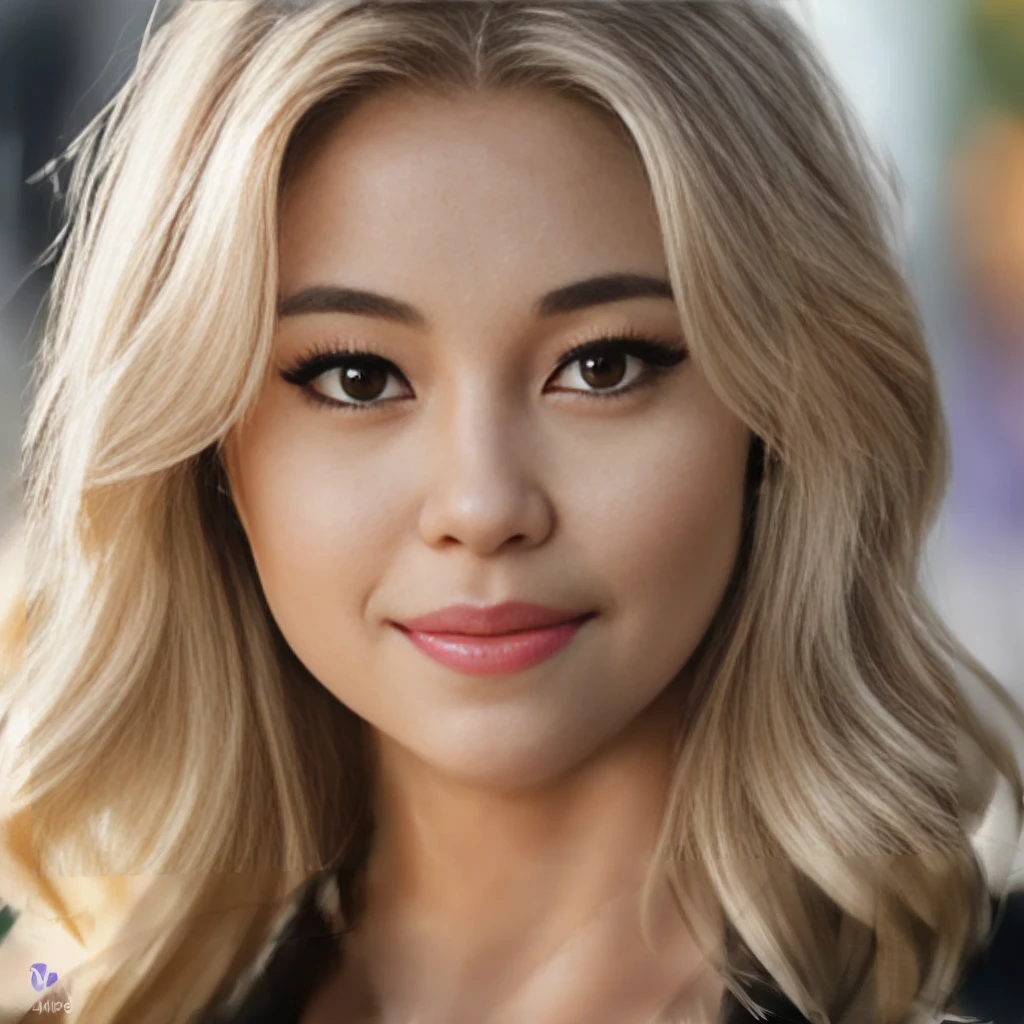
[[671, 531], [313, 521]]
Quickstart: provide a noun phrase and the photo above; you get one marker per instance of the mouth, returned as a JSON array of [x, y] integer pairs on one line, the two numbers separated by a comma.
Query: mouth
[[495, 653], [492, 620]]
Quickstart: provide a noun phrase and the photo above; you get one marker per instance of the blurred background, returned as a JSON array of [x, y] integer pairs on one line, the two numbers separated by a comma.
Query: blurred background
[[938, 83]]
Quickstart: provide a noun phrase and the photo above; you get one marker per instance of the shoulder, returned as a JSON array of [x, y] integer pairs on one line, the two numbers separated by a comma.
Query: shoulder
[[992, 990], [993, 986], [304, 947]]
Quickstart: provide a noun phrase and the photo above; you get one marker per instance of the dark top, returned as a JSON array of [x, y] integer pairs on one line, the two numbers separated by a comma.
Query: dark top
[[303, 950]]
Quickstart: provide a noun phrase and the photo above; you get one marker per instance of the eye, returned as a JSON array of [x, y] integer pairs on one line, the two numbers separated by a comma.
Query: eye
[[603, 364], [344, 379], [350, 380]]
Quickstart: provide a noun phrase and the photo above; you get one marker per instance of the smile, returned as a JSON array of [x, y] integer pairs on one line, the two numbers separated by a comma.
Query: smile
[[500, 654]]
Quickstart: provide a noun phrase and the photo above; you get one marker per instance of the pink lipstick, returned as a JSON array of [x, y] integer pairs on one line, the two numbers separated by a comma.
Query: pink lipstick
[[499, 640]]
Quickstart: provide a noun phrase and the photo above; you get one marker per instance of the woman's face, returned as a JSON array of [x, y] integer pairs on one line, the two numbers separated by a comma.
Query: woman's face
[[471, 466]]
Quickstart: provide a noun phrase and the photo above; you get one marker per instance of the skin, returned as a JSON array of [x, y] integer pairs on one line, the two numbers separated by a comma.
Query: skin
[[515, 812]]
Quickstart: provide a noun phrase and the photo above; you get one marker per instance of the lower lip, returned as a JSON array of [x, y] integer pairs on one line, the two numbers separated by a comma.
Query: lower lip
[[495, 655]]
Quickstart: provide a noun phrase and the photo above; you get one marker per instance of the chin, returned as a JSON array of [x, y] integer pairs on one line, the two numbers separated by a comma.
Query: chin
[[499, 765]]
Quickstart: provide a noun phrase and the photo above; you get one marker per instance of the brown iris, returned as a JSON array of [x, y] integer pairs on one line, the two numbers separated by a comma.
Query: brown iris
[[364, 382], [605, 370]]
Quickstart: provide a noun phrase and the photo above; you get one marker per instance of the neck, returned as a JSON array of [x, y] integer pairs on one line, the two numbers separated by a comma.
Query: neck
[[477, 898]]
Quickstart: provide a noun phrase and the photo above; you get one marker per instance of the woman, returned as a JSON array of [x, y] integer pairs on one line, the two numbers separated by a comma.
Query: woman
[[285, 660]]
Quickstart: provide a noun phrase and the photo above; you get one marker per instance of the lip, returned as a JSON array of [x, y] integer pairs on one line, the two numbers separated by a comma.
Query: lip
[[496, 640], [498, 654], [496, 620]]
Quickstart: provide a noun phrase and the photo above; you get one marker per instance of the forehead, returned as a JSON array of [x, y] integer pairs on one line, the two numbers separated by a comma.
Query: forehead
[[517, 187]]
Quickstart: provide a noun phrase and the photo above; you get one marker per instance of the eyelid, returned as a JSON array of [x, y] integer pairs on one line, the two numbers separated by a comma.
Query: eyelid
[[320, 355], [647, 347], [657, 353], [326, 355]]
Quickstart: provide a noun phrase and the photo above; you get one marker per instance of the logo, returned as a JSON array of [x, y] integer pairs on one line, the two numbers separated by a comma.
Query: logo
[[40, 978]]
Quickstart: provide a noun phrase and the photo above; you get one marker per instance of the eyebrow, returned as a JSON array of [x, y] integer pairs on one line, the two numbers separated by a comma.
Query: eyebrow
[[594, 291]]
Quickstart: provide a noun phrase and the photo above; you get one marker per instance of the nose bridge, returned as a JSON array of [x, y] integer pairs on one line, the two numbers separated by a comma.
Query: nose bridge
[[483, 487]]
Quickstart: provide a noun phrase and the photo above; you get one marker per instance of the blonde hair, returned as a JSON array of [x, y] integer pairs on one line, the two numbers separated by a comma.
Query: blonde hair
[[830, 771]]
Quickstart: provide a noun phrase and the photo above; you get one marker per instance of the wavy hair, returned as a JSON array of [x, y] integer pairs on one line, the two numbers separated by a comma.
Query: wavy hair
[[830, 772]]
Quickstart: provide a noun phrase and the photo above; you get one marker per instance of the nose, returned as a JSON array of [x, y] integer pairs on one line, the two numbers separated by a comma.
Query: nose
[[484, 486]]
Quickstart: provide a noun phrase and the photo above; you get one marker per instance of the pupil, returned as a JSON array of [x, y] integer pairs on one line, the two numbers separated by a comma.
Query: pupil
[[596, 370], [358, 382]]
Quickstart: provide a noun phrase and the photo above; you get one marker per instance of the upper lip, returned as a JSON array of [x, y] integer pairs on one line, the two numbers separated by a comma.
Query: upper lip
[[477, 620]]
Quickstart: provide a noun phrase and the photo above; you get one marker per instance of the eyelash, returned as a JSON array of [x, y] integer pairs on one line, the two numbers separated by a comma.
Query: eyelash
[[659, 357]]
